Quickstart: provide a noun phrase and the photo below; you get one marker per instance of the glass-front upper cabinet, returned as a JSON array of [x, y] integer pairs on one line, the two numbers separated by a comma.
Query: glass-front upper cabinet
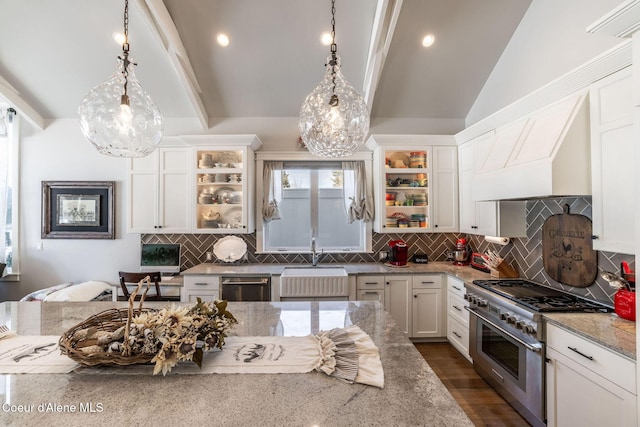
[[223, 182], [415, 183]]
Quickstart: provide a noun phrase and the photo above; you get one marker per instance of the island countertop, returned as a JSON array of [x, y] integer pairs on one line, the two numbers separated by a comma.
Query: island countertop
[[412, 394]]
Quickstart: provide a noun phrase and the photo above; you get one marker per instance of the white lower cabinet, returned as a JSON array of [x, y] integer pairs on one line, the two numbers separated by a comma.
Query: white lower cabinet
[[370, 288], [415, 303], [206, 287], [397, 300], [457, 316], [587, 384]]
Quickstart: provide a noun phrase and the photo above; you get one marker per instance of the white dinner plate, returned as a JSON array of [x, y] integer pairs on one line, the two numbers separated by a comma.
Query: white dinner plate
[[230, 249]]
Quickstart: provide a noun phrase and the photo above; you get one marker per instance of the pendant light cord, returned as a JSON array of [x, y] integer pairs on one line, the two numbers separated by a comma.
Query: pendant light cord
[[333, 101], [125, 54]]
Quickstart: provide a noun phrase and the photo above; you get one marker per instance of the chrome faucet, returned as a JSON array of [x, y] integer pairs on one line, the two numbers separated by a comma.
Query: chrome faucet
[[315, 256]]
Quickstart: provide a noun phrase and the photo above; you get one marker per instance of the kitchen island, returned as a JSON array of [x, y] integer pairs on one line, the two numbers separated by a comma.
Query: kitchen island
[[412, 393]]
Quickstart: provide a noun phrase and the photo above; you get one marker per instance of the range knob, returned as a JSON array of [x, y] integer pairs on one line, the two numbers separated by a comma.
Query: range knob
[[511, 318], [520, 324], [482, 302], [504, 315], [467, 297], [530, 329]]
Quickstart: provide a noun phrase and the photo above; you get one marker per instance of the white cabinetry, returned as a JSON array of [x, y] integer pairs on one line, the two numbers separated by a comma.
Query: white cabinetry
[[158, 194], [223, 183], [370, 288], [397, 300], [206, 287], [457, 316], [445, 181], [415, 183], [588, 385], [507, 218], [612, 163], [427, 311], [415, 303]]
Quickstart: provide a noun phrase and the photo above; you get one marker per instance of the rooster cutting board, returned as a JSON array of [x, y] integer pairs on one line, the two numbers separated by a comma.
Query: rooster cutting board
[[567, 249]]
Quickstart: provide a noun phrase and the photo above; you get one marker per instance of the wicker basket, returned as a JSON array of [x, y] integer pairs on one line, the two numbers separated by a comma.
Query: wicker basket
[[109, 321]]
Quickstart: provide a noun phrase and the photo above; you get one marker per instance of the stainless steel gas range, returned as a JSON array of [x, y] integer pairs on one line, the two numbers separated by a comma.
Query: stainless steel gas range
[[506, 337]]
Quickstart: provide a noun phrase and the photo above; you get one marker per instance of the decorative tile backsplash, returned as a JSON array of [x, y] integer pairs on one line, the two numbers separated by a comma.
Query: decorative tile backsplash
[[525, 254]]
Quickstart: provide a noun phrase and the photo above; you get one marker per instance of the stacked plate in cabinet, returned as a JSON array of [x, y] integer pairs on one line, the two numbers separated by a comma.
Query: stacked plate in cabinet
[[419, 199], [418, 159]]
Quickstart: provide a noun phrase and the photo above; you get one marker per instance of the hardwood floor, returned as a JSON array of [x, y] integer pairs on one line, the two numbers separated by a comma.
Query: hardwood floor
[[480, 402]]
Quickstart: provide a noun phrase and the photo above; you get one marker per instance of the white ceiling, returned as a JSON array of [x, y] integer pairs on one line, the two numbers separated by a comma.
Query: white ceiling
[[52, 52]]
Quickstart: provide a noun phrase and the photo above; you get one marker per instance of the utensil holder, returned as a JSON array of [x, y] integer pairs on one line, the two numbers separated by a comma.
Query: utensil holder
[[504, 270]]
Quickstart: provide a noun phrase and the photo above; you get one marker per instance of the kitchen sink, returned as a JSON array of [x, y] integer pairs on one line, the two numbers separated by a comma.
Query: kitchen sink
[[325, 281]]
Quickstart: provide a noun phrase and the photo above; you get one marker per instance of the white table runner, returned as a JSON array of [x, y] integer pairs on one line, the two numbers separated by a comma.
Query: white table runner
[[346, 353]]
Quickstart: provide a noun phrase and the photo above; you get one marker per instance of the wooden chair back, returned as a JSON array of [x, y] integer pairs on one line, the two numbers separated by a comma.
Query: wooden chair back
[[133, 279]]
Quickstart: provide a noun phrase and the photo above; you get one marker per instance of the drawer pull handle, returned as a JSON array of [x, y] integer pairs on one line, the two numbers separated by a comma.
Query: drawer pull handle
[[456, 334], [580, 353], [456, 288], [370, 293], [200, 284], [370, 283], [428, 283], [457, 308]]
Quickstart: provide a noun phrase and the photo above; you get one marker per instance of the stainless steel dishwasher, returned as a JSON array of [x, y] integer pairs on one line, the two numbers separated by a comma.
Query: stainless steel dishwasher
[[246, 288]]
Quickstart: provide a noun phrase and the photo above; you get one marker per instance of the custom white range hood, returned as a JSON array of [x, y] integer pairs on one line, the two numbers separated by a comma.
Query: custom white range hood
[[545, 154]]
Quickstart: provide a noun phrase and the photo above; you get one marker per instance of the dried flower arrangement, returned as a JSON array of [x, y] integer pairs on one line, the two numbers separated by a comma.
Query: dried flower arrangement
[[166, 336]]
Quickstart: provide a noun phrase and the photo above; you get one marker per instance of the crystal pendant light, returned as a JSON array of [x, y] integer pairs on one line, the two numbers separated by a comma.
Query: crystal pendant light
[[118, 117], [334, 119]]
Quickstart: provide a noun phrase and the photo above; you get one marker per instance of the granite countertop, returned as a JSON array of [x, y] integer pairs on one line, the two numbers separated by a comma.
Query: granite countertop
[[606, 329], [412, 395], [464, 273]]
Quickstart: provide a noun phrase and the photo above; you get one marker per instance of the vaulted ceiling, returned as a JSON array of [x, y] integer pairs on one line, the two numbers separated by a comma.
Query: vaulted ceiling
[[52, 52]]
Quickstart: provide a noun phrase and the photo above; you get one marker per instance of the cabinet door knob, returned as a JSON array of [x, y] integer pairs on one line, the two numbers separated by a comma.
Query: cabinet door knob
[[415, 296], [436, 225]]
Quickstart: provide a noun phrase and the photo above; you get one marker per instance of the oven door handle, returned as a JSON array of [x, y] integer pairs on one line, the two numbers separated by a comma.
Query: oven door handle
[[533, 347]]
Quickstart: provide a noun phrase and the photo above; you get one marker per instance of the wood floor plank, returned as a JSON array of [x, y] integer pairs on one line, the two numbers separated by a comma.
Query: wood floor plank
[[482, 404]]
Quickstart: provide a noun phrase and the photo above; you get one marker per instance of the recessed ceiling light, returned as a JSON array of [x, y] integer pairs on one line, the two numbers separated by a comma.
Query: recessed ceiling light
[[118, 37], [222, 39], [326, 39], [428, 40]]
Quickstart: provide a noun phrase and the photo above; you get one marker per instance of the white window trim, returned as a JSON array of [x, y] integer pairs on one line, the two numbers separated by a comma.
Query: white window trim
[[284, 156], [14, 137]]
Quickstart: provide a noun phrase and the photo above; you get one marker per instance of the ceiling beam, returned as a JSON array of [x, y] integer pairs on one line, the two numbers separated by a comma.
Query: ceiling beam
[[159, 20], [13, 98], [384, 25]]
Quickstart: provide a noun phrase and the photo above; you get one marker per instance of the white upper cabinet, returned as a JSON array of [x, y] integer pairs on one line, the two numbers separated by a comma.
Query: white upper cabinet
[[485, 218], [222, 183], [612, 163], [415, 183], [157, 192]]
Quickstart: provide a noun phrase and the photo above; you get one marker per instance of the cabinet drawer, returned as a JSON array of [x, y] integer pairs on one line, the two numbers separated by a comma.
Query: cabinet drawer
[[458, 335], [204, 296], [370, 295], [456, 286], [369, 282], [427, 281], [604, 362], [455, 308], [202, 283]]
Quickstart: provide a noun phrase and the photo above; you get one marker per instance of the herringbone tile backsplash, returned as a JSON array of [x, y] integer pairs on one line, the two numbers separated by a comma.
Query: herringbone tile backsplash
[[523, 253]]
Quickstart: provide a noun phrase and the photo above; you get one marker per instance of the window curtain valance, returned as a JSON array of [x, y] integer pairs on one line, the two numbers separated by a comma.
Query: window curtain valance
[[357, 193]]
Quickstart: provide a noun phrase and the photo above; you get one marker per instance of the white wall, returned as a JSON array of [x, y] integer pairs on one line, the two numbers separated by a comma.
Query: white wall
[[57, 154], [550, 41]]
